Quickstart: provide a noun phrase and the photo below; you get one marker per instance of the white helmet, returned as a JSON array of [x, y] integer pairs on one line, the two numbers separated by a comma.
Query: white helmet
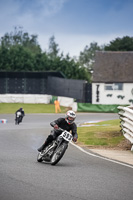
[[71, 114]]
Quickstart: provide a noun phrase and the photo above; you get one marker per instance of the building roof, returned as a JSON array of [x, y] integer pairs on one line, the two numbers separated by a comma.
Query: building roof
[[113, 66]]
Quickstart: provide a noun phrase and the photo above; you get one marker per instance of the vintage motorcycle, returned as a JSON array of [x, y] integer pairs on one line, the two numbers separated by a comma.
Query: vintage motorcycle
[[54, 151]]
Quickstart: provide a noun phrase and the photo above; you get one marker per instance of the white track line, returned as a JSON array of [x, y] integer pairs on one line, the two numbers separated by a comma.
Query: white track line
[[98, 156]]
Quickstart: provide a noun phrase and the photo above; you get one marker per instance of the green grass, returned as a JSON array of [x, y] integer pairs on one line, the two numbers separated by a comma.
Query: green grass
[[10, 108], [105, 133]]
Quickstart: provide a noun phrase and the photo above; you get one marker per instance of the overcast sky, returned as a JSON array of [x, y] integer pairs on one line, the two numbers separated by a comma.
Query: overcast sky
[[74, 23]]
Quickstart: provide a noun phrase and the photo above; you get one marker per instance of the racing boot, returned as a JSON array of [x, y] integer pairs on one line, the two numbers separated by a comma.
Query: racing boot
[[42, 147], [48, 140]]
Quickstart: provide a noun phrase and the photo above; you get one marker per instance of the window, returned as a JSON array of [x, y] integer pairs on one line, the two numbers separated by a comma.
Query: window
[[113, 86]]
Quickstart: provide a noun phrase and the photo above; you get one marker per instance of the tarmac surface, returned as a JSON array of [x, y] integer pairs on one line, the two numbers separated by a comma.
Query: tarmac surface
[[125, 156], [119, 155]]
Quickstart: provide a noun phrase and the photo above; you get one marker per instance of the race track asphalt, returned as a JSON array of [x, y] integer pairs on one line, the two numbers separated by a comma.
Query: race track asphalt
[[78, 176]]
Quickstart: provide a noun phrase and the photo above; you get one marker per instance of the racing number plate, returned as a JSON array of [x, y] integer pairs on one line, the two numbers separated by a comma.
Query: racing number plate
[[67, 136]]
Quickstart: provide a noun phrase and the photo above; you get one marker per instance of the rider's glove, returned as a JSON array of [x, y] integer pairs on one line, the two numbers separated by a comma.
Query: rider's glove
[[75, 139]]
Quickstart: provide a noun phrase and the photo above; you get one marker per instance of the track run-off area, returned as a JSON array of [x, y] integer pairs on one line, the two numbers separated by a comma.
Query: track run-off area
[[80, 174]]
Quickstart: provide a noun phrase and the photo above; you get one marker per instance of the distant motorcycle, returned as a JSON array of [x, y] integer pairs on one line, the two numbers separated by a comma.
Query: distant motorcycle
[[19, 118], [55, 150]]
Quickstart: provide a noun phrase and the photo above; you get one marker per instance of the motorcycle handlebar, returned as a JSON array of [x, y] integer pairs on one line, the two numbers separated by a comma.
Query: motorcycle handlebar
[[60, 129]]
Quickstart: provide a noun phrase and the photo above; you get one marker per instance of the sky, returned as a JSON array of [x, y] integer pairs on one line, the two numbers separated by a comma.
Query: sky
[[74, 23]]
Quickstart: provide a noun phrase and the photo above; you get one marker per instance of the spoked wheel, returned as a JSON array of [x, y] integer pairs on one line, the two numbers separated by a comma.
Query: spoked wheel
[[39, 157], [59, 153]]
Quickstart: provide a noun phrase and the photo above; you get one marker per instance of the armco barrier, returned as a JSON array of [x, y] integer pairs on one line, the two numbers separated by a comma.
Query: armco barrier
[[126, 117]]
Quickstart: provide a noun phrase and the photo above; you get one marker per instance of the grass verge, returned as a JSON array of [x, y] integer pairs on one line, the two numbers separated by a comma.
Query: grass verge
[[10, 108], [105, 134]]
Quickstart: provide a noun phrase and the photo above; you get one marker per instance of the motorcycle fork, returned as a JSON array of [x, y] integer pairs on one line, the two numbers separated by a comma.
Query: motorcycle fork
[[60, 142]]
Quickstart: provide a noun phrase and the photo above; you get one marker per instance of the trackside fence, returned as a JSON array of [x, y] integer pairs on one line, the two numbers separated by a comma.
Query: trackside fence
[[126, 117]]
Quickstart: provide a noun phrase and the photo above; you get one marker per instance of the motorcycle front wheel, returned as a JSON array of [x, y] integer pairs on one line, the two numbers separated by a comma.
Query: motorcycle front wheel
[[16, 121], [59, 153]]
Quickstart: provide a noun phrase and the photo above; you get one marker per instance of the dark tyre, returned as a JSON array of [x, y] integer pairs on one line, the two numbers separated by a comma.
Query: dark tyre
[[59, 153], [16, 121]]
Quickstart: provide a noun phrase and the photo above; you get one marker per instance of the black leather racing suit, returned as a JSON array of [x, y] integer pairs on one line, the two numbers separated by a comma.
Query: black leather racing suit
[[62, 123], [22, 113]]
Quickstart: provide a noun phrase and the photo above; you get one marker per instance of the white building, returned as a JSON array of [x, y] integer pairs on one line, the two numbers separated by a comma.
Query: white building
[[113, 78]]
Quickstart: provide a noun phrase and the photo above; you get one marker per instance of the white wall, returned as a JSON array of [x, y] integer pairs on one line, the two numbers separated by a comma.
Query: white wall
[[68, 102], [25, 98], [126, 93], [36, 98]]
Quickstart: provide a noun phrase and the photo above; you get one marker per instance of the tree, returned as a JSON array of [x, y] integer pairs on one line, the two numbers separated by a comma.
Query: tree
[[20, 52], [4, 59], [120, 44], [19, 37], [53, 48], [21, 59], [86, 57], [41, 62]]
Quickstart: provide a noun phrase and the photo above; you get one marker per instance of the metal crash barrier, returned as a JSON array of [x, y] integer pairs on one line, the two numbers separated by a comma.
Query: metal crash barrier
[[126, 117]]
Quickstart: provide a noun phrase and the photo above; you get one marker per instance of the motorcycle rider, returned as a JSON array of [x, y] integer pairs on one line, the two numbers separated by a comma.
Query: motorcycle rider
[[21, 110], [66, 123]]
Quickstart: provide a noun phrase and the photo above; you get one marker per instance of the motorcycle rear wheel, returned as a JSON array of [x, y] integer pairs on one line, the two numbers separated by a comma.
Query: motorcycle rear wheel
[[59, 153]]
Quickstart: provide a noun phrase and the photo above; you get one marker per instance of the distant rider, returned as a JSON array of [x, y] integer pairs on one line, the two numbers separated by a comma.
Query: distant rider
[[21, 110], [66, 123]]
